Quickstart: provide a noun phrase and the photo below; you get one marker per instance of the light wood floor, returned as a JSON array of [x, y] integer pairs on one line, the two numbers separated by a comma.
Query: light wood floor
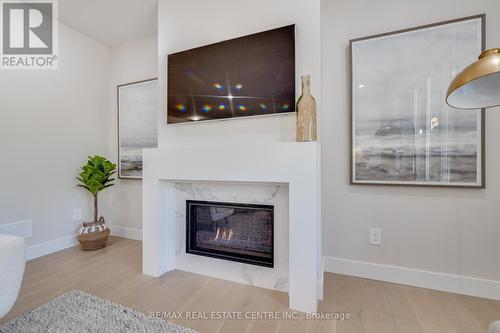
[[115, 273]]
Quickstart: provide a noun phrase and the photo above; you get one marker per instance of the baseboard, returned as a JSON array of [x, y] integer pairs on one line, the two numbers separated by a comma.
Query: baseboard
[[55, 245], [458, 284], [130, 233]]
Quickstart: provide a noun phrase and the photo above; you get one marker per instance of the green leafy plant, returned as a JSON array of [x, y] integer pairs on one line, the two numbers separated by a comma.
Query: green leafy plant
[[96, 176]]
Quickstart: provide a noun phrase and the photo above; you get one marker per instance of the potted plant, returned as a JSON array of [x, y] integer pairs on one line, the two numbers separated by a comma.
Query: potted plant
[[95, 177]]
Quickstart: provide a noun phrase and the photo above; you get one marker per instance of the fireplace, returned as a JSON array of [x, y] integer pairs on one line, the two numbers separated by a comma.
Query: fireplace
[[231, 231]]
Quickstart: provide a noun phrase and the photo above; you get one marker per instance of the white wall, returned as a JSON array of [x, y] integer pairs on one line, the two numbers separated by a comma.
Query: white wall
[[130, 62], [441, 230], [50, 121], [186, 24], [191, 23]]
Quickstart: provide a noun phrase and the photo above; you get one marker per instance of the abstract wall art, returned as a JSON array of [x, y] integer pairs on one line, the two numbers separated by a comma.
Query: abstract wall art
[[137, 125], [402, 130]]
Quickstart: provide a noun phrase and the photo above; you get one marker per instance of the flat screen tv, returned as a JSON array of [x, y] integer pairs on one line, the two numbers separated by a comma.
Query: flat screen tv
[[247, 76]]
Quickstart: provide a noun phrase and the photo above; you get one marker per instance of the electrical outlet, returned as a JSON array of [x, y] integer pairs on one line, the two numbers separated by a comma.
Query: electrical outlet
[[375, 236], [77, 214]]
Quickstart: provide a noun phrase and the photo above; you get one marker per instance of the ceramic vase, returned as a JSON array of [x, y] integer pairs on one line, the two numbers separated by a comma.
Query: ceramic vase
[[306, 113]]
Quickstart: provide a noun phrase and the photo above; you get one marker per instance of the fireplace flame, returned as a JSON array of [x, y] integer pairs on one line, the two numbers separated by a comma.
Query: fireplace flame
[[224, 234]]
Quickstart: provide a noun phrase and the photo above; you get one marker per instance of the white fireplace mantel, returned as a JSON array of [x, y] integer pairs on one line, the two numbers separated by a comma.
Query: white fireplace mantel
[[291, 163]]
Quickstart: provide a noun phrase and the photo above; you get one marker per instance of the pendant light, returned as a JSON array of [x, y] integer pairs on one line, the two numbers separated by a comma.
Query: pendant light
[[478, 85]]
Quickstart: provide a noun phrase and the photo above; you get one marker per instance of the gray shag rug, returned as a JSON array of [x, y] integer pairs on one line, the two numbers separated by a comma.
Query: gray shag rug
[[77, 312]]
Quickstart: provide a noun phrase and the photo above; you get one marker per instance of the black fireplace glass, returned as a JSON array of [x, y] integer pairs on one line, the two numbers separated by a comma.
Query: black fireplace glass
[[231, 231]]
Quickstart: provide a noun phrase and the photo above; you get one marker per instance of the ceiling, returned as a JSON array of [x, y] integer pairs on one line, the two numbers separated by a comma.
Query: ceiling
[[111, 22]]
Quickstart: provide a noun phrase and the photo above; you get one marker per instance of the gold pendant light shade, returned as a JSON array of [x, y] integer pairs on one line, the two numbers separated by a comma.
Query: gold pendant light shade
[[478, 85]]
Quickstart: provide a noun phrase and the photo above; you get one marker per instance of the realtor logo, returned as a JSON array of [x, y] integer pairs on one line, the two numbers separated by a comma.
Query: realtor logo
[[29, 34]]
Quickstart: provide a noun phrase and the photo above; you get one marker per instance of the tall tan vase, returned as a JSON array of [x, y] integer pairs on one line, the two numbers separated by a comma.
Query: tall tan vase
[[306, 113]]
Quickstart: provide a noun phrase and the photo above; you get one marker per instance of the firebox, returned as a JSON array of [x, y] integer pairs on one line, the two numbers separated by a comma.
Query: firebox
[[231, 231]]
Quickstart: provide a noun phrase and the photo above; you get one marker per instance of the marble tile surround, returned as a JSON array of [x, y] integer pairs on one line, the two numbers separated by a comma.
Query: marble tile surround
[[268, 194]]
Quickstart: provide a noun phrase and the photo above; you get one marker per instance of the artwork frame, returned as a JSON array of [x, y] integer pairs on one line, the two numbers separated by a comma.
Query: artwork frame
[[124, 170], [356, 176]]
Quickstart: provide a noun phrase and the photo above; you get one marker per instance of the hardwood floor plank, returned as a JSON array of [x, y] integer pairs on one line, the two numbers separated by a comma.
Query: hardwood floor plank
[[114, 273], [403, 315]]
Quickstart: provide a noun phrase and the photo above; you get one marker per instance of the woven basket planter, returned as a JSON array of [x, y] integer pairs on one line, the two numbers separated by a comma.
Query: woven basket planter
[[94, 235]]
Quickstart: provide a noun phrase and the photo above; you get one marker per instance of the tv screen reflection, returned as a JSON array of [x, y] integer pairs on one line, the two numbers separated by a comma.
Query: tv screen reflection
[[247, 76]]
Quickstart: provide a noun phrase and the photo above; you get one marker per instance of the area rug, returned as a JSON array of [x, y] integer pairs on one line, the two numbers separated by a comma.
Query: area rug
[[77, 312]]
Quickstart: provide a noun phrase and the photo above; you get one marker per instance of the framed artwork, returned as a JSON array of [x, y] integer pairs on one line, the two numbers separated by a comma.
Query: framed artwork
[[402, 130], [137, 125]]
